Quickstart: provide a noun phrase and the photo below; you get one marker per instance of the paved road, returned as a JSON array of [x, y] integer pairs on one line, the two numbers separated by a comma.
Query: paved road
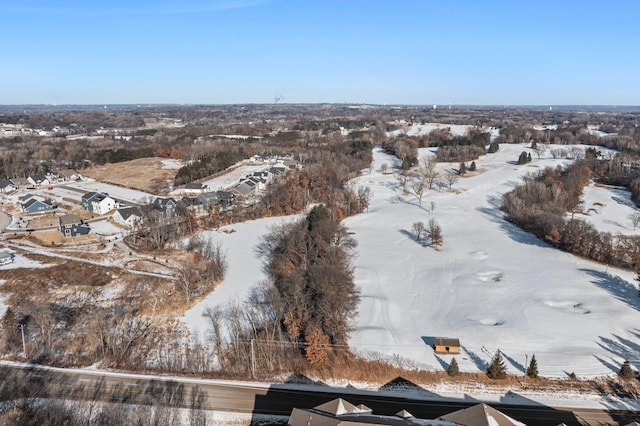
[[274, 399]]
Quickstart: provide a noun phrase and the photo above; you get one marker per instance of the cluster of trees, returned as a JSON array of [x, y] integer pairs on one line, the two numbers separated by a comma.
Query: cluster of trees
[[524, 158], [314, 297], [212, 163], [539, 206]]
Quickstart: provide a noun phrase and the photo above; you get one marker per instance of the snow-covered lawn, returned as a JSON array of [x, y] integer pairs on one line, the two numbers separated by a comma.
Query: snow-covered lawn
[[608, 209], [115, 191], [244, 270], [491, 285]]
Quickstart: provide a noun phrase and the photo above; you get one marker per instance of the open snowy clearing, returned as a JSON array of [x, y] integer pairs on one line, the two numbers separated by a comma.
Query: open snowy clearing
[[491, 285], [126, 194], [608, 209], [228, 179], [244, 270]]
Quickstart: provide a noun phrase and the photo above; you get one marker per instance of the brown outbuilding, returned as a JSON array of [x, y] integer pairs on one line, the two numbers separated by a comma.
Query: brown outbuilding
[[445, 345]]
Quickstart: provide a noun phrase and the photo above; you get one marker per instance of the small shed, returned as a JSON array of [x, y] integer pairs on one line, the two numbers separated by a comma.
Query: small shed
[[446, 345]]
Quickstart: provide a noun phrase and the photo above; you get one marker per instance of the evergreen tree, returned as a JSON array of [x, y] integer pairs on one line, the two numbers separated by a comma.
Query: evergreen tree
[[453, 369], [493, 147], [497, 369], [534, 145], [472, 167], [532, 370], [626, 372], [462, 169], [528, 157], [522, 159]]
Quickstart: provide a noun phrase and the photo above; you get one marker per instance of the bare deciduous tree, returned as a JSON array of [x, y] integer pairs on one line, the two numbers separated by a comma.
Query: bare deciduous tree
[[418, 229], [635, 219]]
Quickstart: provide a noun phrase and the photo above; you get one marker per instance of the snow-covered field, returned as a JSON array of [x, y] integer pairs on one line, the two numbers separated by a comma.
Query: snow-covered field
[[244, 270], [491, 285], [126, 194], [608, 209], [228, 179]]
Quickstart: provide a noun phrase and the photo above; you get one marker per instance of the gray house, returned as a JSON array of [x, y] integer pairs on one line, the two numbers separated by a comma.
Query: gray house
[[72, 226], [34, 205], [167, 205], [7, 186]]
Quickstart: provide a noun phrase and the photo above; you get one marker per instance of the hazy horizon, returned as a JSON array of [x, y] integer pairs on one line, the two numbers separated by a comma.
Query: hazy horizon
[[224, 52]]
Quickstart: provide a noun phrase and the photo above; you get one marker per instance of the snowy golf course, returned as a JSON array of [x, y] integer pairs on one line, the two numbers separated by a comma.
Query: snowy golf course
[[490, 284]]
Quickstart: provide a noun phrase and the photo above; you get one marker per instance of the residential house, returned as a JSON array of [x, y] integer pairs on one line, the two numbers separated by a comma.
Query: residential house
[[340, 412], [68, 174], [209, 199], [5, 257], [72, 226], [195, 188], [166, 205], [127, 216], [20, 183], [7, 186], [194, 205], [38, 180], [31, 204], [244, 190], [226, 198], [98, 202], [278, 170], [480, 414]]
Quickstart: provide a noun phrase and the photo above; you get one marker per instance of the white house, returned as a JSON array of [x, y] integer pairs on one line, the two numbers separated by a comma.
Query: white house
[[98, 202], [127, 216]]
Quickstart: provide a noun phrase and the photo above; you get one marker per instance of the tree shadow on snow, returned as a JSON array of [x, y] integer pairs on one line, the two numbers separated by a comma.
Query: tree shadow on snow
[[513, 362], [479, 362], [422, 241], [619, 288], [621, 348], [516, 234]]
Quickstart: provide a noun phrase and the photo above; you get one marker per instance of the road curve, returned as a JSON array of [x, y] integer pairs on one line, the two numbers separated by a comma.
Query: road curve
[[91, 385]]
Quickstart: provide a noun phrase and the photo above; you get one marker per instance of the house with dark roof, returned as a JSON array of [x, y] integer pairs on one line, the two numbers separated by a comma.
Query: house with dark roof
[[71, 225], [7, 186], [166, 205], [37, 205], [38, 180], [209, 199], [195, 188], [98, 202], [226, 198], [127, 216], [445, 345], [194, 205]]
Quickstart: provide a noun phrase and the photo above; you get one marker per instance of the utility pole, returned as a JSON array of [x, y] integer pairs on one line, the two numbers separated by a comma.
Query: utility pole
[[253, 361], [24, 344]]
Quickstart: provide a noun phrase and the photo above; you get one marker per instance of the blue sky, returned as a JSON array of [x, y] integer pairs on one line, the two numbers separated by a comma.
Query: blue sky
[[396, 51]]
